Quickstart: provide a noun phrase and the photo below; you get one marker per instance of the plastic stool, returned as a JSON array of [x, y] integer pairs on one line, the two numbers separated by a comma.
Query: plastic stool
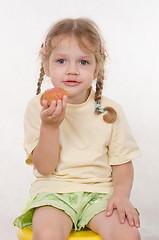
[[26, 234]]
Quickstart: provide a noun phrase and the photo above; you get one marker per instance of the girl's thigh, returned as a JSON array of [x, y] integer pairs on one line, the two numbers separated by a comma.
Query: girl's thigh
[[110, 228], [50, 223]]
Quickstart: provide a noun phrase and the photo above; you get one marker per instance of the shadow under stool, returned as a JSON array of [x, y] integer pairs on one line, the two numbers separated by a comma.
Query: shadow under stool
[[26, 234]]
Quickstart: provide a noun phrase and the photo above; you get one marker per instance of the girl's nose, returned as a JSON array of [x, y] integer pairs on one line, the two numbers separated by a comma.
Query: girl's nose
[[72, 69]]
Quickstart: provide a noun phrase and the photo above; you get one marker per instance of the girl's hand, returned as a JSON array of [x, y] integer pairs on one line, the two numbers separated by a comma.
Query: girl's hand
[[55, 113], [125, 210]]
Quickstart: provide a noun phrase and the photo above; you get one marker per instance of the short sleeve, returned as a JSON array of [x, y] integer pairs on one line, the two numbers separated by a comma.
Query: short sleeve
[[32, 123], [122, 147]]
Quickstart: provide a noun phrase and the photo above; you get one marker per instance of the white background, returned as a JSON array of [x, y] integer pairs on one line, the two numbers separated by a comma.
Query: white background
[[131, 31]]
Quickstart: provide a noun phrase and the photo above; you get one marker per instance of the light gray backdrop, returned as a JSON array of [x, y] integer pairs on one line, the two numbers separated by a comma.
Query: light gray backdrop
[[131, 31]]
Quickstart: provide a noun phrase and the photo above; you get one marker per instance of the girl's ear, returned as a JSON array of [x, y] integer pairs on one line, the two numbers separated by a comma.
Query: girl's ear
[[46, 67]]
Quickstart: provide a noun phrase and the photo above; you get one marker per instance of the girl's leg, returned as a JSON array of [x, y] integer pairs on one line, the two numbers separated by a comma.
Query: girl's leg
[[50, 223], [110, 228]]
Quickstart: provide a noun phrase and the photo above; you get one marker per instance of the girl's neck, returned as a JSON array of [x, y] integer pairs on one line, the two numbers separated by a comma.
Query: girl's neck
[[79, 99]]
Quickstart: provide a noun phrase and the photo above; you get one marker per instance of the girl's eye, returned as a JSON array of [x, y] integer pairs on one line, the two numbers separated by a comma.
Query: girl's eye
[[83, 62], [61, 61]]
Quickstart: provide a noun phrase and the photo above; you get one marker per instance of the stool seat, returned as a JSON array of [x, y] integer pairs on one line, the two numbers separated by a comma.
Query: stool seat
[[26, 234]]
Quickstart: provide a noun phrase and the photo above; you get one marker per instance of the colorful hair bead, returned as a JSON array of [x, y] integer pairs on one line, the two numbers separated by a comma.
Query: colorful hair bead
[[43, 48], [103, 51], [100, 109]]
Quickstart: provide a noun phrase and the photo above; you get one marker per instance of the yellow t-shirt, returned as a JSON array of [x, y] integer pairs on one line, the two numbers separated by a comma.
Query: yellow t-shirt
[[88, 147]]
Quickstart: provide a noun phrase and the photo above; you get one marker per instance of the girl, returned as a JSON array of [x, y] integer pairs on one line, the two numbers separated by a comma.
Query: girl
[[81, 147]]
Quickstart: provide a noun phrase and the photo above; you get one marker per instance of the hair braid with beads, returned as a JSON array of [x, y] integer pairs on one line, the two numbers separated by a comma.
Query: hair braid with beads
[[110, 115], [82, 28]]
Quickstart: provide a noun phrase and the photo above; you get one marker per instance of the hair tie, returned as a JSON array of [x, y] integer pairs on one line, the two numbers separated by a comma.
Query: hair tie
[[43, 48], [100, 109], [103, 51]]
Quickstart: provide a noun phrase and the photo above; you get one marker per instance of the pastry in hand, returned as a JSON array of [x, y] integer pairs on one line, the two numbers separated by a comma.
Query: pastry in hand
[[53, 94]]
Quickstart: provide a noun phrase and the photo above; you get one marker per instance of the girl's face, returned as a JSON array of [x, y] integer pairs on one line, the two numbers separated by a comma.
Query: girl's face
[[72, 69]]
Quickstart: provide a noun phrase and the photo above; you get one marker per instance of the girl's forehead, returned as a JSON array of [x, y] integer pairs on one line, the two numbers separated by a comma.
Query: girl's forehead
[[65, 42]]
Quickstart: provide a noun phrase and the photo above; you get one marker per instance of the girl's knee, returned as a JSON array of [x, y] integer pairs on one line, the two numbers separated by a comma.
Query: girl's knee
[[132, 234], [135, 235], [48, 233], [50, 223]]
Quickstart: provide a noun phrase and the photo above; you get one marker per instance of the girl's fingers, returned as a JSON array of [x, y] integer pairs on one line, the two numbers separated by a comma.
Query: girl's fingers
[[122, 215], [133, 219], [61, 106], [136, 220], [50, 110], [58, 109], [64, 101], [130, 218], [109, 209], [45, 104]]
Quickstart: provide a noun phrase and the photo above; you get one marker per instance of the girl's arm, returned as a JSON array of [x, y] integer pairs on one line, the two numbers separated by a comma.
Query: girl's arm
[[123, 180], [45, 155]]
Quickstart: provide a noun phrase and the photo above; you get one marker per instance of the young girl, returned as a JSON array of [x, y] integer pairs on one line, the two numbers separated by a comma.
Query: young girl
[[81, 147]]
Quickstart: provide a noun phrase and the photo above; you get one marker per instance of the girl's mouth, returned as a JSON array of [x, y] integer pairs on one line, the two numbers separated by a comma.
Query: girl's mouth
[[71, 83]]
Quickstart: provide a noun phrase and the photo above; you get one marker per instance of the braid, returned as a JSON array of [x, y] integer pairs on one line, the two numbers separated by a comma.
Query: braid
[[110, 116], [42, 73], [99, 87]]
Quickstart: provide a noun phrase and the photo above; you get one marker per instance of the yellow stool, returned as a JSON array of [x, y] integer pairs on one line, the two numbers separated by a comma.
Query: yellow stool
[[26, 234]]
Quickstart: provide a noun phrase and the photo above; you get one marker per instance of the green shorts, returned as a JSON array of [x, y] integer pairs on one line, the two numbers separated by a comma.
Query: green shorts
[[80, 206]]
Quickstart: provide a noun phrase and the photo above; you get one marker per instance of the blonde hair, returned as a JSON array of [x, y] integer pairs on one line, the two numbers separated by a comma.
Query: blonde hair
[[83, 29]]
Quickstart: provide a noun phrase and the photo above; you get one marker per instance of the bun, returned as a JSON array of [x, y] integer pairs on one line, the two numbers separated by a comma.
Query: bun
[[53, 94]]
